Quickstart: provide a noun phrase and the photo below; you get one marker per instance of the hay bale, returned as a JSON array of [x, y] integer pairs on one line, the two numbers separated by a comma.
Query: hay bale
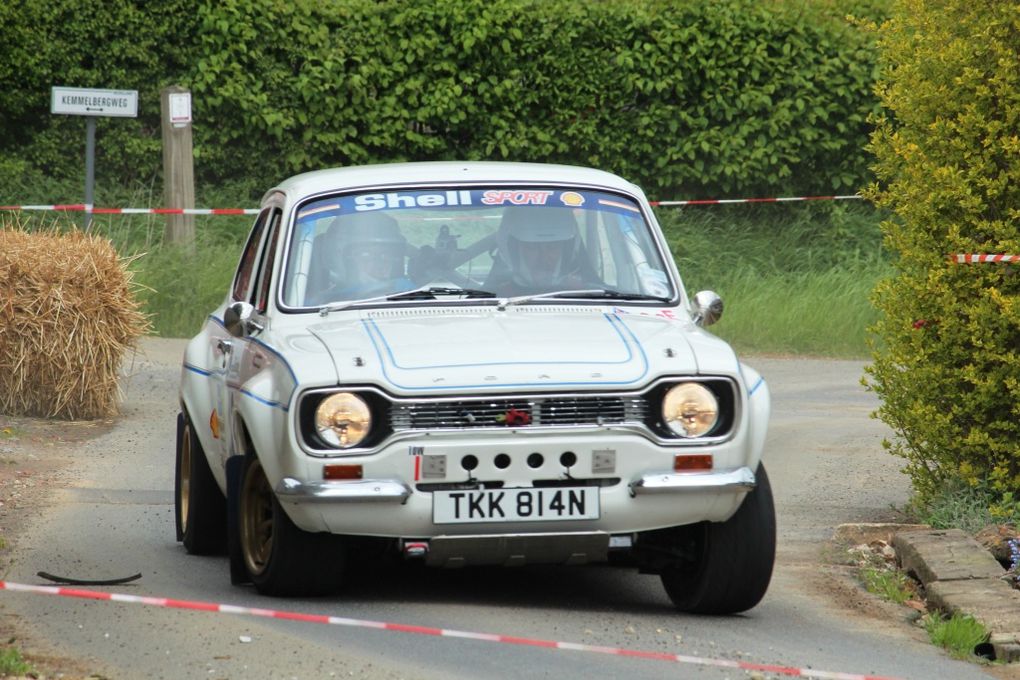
[[67, 316]]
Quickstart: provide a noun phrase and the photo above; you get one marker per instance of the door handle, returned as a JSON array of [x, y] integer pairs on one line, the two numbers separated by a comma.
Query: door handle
[[224, 346]]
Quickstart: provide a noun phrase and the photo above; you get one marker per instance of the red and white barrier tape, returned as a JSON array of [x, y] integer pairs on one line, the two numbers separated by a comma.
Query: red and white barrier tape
[[974, 258], [425, 630], [83, 207], [785, 199]]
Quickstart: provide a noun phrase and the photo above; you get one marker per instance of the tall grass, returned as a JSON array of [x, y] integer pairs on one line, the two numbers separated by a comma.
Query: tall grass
[[795, 279], [177, 286]]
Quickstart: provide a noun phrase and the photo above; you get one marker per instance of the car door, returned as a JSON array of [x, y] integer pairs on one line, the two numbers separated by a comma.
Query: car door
[[224, 348], [247, 355]]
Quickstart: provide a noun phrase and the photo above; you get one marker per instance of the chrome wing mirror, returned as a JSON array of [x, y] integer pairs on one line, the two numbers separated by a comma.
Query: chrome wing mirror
[[708, 308], [237, 319]]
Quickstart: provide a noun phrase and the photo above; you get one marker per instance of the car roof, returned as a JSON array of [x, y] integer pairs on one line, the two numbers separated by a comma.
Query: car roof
[[448, 172]]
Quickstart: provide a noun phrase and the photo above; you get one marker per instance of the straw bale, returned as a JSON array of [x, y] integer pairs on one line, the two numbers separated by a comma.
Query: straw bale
[[67, 317]]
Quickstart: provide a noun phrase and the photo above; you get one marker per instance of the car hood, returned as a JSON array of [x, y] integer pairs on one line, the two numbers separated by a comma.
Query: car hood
[[535, 347]]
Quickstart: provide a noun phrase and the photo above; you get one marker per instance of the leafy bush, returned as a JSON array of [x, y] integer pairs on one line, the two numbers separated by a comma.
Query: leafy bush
[[948, 163], [723, 96], [702, 97], [124, 45]]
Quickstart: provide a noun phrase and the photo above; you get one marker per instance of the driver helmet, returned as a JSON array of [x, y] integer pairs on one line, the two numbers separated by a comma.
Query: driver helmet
[[541, 246], [371, 247]]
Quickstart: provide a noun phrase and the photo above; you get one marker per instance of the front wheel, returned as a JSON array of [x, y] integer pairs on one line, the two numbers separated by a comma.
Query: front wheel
[[732, 561], [280, 558]]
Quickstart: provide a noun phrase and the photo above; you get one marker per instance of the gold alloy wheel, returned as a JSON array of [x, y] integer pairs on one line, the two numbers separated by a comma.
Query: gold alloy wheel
[[256, 519], [184, 488]]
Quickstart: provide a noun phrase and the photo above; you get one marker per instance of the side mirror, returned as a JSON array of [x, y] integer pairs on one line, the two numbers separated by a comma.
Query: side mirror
[[237, 319], [708, 308]]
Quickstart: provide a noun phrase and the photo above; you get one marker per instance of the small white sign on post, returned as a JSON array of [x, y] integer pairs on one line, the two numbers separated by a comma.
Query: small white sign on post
[[82, 101], [180, 108], [92, 103]]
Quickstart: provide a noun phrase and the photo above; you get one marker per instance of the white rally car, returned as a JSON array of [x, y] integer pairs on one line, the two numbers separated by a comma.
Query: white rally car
[[471, 364]]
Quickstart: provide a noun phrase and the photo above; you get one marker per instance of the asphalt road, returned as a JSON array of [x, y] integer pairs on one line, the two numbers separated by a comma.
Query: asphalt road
[[824, 458]]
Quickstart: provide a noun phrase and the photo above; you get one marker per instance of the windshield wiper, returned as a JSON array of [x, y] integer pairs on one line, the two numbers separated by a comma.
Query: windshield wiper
[[609, 294], [430, 293], [587, 294], [423, 293]]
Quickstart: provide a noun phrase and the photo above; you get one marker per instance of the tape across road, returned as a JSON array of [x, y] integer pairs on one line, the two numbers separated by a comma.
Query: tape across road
[[83, 207], [975, 258], [727, 201], [425, 630]]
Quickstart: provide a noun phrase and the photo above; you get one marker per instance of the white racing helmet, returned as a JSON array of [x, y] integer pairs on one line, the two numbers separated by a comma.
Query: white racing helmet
[[541, 246]]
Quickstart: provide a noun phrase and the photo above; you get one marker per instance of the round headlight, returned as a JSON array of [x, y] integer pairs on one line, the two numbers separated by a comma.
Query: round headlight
[[690, 410], [343, 420]]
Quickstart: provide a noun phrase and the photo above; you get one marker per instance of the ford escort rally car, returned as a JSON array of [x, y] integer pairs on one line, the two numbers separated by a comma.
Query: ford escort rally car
[[471, 364]]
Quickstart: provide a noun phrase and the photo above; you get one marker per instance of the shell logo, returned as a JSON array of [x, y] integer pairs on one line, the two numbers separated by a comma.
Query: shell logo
[[572, 198]]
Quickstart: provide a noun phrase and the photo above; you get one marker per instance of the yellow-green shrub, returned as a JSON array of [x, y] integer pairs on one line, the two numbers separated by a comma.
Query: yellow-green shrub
[[947, 351]]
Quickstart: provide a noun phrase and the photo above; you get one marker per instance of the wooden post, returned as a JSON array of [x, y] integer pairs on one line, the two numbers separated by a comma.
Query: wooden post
[[178, 172]]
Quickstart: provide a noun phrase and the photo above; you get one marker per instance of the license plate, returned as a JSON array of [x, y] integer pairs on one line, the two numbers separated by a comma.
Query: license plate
[[515, 505]]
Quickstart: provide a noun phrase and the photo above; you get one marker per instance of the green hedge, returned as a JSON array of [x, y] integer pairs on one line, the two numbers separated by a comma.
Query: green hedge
[[948, 159], [694, 98], [118, 44]]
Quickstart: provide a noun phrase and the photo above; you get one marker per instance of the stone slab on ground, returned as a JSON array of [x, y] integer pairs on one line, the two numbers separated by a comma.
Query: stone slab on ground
[[992, 602], [945, 555], [1006, 646]]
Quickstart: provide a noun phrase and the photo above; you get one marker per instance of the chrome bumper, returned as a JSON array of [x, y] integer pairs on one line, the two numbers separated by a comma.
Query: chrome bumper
[[346, 491], [741, 479], [392, 491]]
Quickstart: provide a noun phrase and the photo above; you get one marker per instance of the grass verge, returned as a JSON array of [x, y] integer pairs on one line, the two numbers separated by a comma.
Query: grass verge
[[959, 634], [796, 280], [888, 583], [13, 664], [970, 508]]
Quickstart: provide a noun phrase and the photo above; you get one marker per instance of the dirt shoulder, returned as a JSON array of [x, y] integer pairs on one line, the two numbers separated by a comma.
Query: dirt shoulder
[[36, 457]]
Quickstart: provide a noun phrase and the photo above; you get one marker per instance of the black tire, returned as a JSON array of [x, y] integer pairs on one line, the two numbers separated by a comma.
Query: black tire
[[280, 558], [734, 559], [200, 510]]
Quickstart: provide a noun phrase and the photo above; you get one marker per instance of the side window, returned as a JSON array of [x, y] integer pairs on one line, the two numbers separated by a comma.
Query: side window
[[242, 280], [266, 266]]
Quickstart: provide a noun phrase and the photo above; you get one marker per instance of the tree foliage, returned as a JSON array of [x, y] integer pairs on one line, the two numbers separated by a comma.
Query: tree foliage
[[693, 98], [947, 149]]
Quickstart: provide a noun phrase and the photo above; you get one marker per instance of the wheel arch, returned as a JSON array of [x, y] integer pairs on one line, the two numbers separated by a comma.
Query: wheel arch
[[759, 407]]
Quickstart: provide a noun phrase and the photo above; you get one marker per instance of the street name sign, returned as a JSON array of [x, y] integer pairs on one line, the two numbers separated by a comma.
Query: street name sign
[[80, 101]]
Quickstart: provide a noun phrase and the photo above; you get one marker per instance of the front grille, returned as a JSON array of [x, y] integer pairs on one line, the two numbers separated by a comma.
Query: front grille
[[558, 410]]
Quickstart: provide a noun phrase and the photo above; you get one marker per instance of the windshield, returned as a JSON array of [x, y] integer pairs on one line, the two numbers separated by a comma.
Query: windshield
[[505, 241]]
